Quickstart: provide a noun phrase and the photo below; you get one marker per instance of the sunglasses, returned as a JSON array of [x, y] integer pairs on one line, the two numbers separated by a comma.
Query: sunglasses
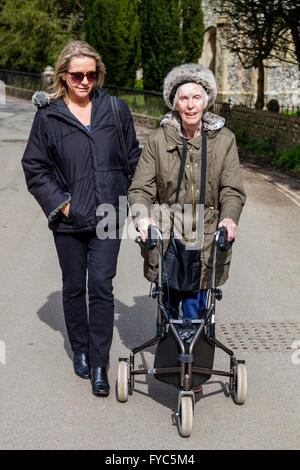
[[77, 77]]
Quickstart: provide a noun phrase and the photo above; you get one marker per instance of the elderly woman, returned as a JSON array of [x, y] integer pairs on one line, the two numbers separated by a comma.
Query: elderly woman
[[73, 163], [211, 183]]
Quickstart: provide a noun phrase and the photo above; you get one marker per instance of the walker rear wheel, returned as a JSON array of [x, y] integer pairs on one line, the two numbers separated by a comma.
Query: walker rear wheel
[[185, 416], [240, 385], [122, 382]]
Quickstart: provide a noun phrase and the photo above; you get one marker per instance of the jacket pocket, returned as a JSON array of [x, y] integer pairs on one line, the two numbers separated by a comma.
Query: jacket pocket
[[83, 205]]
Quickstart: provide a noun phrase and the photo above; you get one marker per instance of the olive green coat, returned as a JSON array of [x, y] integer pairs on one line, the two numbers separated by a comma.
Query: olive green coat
[[156, 177]]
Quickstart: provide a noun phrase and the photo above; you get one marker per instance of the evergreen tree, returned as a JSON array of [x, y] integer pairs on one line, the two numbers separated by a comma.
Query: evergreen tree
[[192, 30], [160, 40], [34, 32], [112, 28]]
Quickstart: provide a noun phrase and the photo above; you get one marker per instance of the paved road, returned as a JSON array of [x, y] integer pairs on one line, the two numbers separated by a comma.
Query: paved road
[[44, 405]]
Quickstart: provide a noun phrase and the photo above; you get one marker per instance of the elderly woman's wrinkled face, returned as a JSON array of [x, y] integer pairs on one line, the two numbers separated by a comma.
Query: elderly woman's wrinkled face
[[191, 102]]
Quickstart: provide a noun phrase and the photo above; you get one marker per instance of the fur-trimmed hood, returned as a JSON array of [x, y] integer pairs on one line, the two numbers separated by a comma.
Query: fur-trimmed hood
[[211, 122], [40, 99], [189, 73]]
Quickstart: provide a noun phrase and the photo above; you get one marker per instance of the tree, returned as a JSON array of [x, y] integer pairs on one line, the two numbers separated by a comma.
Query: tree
[[160, 40], [34, 32], [255, 32], [71, 14], [192, 30], [112, 28], [289, 11]]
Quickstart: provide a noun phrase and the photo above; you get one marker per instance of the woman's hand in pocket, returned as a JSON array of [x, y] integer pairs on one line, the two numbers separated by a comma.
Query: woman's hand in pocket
[[65, 209]]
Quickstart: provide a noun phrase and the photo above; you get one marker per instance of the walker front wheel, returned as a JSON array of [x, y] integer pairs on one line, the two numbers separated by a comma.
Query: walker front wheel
[[240, 384], [122, 382], [185, 416]]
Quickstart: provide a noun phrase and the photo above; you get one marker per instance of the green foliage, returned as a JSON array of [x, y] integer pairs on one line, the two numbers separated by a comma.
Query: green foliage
[[192, 30], [141, 103], [290, 113], [160, 40], [265, 147], [290, 159], [112, 28], [241, 137], [262, 147], [139, 85], [33, 33], [172, 33]]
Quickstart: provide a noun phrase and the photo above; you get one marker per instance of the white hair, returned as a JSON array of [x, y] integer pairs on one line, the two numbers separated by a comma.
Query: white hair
[[204, 95]]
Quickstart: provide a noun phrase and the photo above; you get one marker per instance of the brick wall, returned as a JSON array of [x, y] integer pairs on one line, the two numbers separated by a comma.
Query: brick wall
[[260, 124]]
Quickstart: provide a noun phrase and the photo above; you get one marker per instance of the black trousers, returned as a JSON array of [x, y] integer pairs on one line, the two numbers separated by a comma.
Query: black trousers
[[83, 255]]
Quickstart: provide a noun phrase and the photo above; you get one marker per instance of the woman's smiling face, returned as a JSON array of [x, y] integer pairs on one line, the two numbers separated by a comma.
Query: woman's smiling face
[[190, 104], [84, 64]]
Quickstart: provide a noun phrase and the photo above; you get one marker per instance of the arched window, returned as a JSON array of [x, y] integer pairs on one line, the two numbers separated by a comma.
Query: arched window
[[208, 57]]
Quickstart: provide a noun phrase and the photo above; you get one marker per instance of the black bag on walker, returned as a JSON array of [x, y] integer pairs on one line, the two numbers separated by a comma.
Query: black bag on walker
[[182, 266], [167, 355]]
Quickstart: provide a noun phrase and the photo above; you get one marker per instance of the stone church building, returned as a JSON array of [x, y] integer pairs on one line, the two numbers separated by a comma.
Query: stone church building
[[282, 82]]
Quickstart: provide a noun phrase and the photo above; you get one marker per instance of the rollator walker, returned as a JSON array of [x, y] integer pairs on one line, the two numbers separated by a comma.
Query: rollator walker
[[185, 348]]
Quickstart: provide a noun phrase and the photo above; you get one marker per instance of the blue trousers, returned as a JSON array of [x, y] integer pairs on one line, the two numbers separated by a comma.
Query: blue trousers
[[191, 304]]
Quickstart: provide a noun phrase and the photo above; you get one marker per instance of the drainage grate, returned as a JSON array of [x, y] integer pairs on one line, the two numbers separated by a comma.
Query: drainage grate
[[259, 336]]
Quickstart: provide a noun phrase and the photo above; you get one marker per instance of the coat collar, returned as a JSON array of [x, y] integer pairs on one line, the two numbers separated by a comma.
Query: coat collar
[[59, 109], [171, 123]]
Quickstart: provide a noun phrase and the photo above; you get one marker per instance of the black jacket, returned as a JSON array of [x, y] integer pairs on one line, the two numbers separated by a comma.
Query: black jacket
[[64, 162]]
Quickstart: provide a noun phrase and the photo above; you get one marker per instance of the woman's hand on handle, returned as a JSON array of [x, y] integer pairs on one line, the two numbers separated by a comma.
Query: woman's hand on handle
[[232, 228], [143, 225]]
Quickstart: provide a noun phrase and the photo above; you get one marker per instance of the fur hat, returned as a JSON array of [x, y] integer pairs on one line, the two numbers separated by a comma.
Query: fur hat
[[189, 73]]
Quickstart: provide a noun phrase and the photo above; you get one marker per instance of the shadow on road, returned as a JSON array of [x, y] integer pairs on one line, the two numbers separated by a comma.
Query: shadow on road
[[136, 325], [52, 314]]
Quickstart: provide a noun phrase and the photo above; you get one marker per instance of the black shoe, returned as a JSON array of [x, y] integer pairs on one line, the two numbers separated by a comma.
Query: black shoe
[[81, 365], [100, 385]]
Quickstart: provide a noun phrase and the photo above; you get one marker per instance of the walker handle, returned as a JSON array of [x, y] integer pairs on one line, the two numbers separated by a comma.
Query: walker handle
[[221, 239], [150, 242]]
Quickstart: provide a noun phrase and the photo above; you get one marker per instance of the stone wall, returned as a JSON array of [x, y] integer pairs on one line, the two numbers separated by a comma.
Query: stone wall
[[146, 121], [19, 92], [259, 125]]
